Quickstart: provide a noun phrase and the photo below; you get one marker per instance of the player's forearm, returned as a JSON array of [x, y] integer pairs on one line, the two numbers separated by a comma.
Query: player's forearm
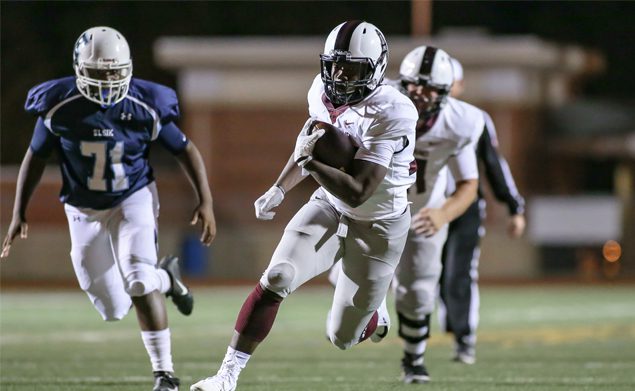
[[338, 183], [290, 176], [461, 199], [192, 164], [29, 176]]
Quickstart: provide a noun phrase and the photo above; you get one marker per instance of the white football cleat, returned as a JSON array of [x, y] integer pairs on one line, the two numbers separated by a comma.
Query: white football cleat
[[383, 323], [214, 383], [465, 354], [224, 380]]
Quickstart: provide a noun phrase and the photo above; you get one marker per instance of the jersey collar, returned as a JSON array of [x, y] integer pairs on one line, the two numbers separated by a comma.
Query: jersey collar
[[334, 112]]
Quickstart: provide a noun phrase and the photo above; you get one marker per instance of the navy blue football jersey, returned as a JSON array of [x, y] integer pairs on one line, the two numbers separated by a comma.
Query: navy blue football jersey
[[103, 151]]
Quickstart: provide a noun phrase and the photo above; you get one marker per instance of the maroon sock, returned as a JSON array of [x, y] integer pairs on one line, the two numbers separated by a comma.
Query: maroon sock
[[370, 327], [257, 314]]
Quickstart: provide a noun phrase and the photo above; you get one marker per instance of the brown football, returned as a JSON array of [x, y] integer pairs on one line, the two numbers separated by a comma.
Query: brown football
[[335, 148]]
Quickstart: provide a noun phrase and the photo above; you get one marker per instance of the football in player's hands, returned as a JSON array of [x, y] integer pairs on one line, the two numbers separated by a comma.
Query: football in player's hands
[[335, 148]]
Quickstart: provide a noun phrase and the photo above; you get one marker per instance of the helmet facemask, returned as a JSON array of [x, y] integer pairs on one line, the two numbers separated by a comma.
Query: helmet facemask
[[433, 107], [103, 66], [346, 80], [105, 84], [353, 62]]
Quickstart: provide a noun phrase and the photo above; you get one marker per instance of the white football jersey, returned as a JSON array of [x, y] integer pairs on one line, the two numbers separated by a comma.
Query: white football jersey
[[449, 144], [384, 124]]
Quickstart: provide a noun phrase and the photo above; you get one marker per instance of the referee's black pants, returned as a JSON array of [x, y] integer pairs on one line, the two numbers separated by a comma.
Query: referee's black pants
[[459, 278]]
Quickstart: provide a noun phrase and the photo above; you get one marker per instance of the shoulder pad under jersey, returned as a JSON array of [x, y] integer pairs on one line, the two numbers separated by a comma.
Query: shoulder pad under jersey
[[161, 98], [466, 120], [43, 97]]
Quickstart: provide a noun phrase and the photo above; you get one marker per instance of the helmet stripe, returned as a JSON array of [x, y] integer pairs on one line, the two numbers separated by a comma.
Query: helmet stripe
[[343, 40], [427, 60]]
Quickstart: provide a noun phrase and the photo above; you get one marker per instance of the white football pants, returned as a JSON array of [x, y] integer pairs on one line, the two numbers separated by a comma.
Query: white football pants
[[417, 276], [316, 238], [114, 248]]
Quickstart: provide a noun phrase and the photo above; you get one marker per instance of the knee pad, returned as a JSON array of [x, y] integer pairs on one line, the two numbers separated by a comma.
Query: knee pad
[[137, 288], [342, 345], [279, 278], [141, 280], [341, 336]]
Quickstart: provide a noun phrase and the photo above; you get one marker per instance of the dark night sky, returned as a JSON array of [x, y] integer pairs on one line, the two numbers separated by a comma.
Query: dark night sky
[[37, 37]]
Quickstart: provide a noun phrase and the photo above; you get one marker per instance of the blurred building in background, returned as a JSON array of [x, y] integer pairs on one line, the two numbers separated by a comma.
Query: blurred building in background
[[243, 100], [247, 114]]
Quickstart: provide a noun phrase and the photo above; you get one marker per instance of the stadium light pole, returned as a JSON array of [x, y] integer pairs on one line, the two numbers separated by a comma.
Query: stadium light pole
[[421, 18]]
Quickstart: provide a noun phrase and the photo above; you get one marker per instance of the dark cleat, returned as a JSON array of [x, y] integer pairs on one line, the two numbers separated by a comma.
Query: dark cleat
[[180, 294], [413, 370], [165, 381]]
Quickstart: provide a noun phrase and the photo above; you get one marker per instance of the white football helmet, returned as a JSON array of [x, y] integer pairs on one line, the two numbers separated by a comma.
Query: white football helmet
[[430, 67], [102, 64], [457, 70], [354, 61]]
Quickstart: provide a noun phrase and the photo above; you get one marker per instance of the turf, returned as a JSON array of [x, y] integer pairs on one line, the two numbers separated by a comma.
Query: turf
[[531, 338]]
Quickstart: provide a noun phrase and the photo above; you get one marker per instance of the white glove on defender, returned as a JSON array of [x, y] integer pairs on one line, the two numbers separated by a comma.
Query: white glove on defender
[[263, 205], [305, 143]]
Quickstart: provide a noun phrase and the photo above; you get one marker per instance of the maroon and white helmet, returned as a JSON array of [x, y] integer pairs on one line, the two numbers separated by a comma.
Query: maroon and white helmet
[[430, 67], [361, 48]]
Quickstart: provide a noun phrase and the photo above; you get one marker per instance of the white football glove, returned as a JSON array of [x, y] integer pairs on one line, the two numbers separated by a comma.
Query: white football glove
[[263, 205], [305, 143]]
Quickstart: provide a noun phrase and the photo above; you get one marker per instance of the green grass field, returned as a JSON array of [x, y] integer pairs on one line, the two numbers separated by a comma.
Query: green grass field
[[531, 338]]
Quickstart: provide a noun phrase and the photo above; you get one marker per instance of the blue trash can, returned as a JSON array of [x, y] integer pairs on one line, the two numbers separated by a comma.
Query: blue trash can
[[194, 255]]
